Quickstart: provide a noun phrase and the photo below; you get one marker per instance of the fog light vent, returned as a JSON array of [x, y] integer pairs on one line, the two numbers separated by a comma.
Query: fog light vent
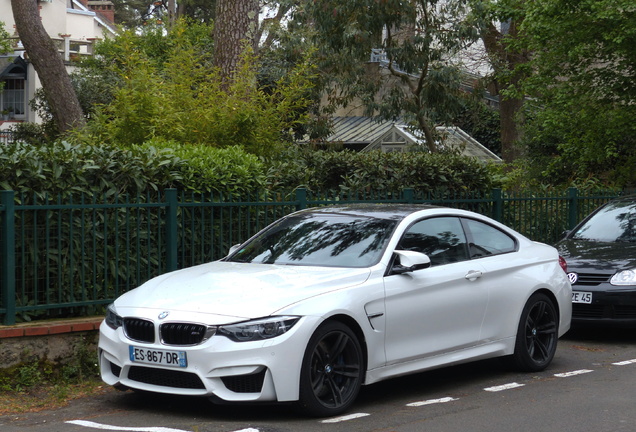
[[251, 383]]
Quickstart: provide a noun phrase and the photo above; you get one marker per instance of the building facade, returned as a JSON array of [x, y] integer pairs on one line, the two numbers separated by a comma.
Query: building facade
[[74, 26]]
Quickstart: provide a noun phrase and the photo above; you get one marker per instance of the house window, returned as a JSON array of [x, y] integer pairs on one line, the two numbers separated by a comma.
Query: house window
[[12, 96], [393, 147]]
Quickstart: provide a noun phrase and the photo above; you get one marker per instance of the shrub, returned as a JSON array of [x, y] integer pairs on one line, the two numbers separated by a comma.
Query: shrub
[[326, 171], [164, 87], [63, 167], [229, 170]]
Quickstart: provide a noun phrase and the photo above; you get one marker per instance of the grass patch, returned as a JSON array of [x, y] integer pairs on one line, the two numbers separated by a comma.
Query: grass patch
[[47, 396], [38, 385]]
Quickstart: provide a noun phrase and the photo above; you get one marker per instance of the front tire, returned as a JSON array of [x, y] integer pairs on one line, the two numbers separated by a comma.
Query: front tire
[[536, 335], [331, 373]]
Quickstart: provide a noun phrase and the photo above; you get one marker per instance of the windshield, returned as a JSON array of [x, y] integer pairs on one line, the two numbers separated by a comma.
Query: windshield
[[333, 240], [614, 223]]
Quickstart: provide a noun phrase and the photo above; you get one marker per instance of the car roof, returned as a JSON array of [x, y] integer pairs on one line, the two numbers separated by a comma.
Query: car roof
[[626, 198], [379, 210]]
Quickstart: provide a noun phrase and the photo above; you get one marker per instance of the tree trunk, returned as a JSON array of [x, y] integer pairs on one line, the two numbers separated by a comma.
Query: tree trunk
[[510, 119], [509, 108], [48, 63], [236, 24]]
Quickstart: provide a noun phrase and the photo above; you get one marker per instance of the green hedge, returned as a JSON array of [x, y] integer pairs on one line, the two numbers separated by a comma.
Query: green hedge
[[62, 167], [323, 171]]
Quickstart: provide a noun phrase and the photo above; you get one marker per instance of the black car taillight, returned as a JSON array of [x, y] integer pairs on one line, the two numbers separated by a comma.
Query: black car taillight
[[563, 264]]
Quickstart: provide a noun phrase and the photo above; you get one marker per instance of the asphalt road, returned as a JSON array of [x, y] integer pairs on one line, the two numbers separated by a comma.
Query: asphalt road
[[590, 386]]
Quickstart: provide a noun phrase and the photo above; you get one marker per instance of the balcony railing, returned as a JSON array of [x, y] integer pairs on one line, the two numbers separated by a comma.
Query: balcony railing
[[6, 137], [67, 47]]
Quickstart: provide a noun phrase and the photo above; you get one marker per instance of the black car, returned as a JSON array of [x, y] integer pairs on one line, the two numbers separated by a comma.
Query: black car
[[601, 256]]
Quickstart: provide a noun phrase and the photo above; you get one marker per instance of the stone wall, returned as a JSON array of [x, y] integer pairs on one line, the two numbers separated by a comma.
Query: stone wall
[[53, 341]]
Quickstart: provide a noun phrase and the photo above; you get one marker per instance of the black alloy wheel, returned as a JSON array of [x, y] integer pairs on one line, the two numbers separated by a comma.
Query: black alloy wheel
[[537, 334], [331, 373]]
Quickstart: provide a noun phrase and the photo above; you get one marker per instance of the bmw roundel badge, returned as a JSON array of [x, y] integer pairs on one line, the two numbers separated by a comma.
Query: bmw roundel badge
[[163, 314]]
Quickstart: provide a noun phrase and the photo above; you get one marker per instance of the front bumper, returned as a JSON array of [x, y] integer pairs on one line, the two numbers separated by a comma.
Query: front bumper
[[610, 305], [218, 368]]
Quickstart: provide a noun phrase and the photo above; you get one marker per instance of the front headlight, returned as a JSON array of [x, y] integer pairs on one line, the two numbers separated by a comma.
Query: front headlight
[[113, 320], [626, 277], [265, 328]]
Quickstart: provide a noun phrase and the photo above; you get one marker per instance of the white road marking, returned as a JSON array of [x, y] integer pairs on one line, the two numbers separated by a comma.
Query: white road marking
[[504, 387], [573, 373], [626, 362], [94, 425], [431, 402], [344, 418]]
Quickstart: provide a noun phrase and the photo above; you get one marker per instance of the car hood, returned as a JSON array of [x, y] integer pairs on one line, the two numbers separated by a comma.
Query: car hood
[[236, 290], [613, 256]]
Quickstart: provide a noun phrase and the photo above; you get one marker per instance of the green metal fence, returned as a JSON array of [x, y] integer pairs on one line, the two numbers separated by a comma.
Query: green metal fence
[[71, 256]]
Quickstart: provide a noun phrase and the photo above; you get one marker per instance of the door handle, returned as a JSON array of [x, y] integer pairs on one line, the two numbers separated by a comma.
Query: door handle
[[473, 275]]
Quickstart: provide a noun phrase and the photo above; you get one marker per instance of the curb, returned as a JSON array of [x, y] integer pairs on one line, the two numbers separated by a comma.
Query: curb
[[45, 328]]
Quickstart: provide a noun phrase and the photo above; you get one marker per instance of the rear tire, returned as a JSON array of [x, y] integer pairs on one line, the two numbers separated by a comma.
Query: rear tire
[[537, 335], [331, 373]]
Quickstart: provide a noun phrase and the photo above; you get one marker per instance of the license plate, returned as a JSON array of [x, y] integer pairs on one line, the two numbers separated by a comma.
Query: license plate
[[581, 297], [158, 357]]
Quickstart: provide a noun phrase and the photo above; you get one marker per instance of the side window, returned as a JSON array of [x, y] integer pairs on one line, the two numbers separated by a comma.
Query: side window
[[441, 238], [487, 240]]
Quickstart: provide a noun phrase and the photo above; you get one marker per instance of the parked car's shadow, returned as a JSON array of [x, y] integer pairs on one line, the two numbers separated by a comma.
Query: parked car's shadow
[[601, 334], [382, 395]]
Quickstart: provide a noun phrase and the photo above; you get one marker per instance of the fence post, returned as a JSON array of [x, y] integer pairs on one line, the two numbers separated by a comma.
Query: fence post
[[408, 195], [301, 198], [573, 207], [171, 230], [7, 256], [497, 204]]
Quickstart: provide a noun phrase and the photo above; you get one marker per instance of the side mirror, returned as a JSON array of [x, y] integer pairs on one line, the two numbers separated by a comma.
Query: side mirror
[[409, 261], [234, 248]]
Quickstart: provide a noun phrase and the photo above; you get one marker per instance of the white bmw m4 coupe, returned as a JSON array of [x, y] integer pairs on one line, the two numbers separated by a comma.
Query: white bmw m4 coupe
[[328, 299]]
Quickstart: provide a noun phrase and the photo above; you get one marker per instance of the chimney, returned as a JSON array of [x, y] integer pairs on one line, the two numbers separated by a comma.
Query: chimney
[[105, 8]]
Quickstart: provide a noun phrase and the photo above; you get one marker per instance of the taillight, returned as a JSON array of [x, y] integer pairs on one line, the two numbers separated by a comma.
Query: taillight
[[563, 264]]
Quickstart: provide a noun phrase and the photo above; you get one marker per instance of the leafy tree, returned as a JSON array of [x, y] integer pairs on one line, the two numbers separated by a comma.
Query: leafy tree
[[419, 38], [131, 13], [481, 122], [5, 45], [587, 44], [138, 13], [286, 44], [5, 42], [198, 10], [584, 85]]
